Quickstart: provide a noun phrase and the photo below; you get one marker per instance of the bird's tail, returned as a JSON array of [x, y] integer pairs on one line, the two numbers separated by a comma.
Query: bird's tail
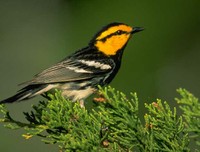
[[27, 92]]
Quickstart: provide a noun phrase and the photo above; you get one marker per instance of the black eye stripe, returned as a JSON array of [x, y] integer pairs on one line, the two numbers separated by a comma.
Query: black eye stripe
[[118, 32]]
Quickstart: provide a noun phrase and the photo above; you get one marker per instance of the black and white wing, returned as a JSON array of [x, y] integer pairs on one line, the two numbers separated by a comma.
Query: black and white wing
[[72, 70]]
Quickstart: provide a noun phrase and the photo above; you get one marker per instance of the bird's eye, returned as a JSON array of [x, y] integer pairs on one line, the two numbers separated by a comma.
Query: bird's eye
[[119, 32]]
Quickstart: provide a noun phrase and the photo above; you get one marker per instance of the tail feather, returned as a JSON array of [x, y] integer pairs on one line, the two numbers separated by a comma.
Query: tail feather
[[27, 93]]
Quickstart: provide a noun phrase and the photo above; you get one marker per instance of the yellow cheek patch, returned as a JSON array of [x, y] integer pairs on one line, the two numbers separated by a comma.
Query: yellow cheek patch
[[113, 44], [113, 30]]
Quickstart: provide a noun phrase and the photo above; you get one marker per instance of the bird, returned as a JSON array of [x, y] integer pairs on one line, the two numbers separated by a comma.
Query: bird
[[78, 75]]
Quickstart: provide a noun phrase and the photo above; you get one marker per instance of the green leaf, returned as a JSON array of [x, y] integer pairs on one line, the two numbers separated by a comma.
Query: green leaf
[[112, 124]]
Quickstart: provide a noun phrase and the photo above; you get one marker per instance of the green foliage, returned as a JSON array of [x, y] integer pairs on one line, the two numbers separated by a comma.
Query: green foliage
[[112, 125], [191, 112], [165, 129]]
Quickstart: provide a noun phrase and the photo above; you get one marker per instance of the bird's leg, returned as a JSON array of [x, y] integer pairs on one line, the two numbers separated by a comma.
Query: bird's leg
[[82, 104]]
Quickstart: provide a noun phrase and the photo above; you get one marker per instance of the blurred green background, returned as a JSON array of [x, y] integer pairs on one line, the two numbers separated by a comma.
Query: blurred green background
[[35, 34]]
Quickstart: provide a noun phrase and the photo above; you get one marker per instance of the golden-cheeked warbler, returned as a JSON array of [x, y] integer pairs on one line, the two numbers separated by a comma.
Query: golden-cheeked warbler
[[78, 75]]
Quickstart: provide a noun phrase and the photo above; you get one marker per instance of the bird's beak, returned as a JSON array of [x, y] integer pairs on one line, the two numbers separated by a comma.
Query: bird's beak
[[137, 29]]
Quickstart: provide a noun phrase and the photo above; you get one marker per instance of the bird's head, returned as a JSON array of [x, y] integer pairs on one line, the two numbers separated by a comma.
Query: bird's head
[[113, 37]]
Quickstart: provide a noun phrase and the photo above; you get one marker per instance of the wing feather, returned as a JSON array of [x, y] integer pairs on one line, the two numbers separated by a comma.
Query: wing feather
[[67, 71]]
